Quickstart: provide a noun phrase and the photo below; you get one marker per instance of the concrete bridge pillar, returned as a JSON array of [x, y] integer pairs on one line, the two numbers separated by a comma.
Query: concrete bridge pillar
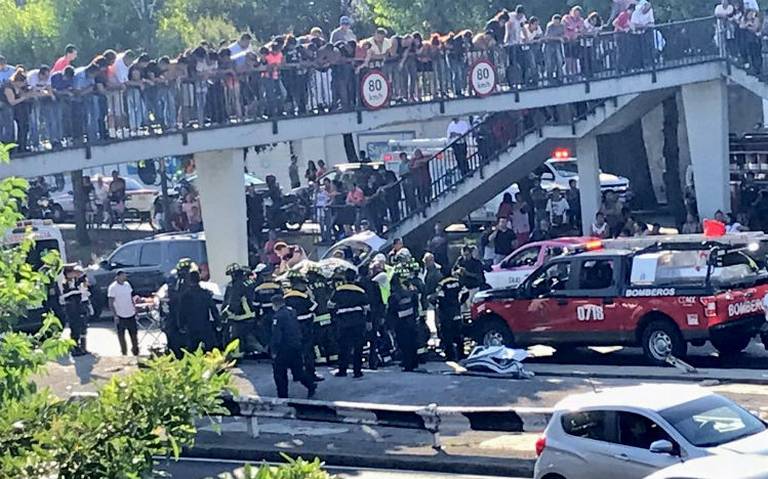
[[221, 183], [706, 115], [589, 180]]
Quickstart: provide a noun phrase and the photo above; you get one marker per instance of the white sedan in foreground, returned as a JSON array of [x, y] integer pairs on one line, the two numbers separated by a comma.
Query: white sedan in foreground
[[632, 432], [717, 467]]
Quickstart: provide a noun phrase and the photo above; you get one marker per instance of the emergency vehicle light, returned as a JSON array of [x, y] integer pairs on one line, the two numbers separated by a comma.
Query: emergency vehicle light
[[561, 154], [593, 245], [25, 223]]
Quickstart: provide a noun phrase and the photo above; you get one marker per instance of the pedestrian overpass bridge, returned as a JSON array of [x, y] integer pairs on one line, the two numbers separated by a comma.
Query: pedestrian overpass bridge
[[616, 97]]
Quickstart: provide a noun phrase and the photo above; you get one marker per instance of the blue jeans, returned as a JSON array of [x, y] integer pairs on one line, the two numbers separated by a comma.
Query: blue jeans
[[92, 114], [458, 74], [137, 111], [7, 129]]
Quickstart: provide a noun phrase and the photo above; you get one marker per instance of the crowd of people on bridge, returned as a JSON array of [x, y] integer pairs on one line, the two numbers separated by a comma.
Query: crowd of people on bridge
[[128, 93]]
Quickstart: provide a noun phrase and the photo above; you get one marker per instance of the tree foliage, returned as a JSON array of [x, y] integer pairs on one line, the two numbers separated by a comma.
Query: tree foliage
[[115, 433]]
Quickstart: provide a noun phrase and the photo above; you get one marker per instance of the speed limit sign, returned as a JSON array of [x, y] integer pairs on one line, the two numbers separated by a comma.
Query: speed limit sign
[[375, 90], [482, 77]]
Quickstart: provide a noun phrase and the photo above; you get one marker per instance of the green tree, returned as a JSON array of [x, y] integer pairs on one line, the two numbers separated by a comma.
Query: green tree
[[113, 434], [30, 33]]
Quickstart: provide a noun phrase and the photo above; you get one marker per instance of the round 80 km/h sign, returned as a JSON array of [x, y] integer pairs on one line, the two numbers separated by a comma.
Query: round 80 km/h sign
[[375, 90], [482, 77]]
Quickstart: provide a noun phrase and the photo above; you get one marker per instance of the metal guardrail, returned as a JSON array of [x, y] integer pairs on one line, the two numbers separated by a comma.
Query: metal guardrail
[[427, 418], [250, 93]]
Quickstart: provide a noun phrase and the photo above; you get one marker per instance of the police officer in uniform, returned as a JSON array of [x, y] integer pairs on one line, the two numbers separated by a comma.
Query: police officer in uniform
[[349, 305], [175, 329], [286, 349], [449, 318], [239, 311], [403, 310], [266, 288], [71, 289], [298, 297], [200, 314]]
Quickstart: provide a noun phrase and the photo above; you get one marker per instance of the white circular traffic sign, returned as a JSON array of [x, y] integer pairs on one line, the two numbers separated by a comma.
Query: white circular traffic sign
[[375, 90], [482, 77]]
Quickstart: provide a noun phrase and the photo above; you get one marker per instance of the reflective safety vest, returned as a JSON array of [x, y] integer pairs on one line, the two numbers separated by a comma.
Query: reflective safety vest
[[301, 303]]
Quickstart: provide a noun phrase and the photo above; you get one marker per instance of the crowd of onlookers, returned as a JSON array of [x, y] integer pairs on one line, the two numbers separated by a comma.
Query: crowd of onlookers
[[120, 94]]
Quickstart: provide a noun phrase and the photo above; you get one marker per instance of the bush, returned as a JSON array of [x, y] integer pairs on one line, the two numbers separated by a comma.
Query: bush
[[293, 469]]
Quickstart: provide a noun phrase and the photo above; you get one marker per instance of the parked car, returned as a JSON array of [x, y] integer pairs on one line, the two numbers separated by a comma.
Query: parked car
[[47, 237], [515, 268], [635, 431], [148, 263], [660, 298], [717, 467], [556, 172], [139, 199]]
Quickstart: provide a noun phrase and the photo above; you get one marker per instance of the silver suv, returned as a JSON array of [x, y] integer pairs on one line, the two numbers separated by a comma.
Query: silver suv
[[633, 432]]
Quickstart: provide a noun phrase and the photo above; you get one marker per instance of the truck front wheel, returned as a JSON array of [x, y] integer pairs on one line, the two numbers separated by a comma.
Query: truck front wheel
[[493, 332], [660, 339]]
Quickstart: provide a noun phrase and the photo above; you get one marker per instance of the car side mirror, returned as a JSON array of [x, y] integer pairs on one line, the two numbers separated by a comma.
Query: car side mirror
[[71, 193], [104, 264], [662, 447]]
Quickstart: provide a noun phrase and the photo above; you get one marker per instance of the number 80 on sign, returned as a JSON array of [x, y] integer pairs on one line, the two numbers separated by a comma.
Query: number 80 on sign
[[482, 77], [375, 90]]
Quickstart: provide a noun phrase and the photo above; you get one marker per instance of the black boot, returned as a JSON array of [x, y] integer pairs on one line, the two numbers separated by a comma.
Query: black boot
[[82, 345]]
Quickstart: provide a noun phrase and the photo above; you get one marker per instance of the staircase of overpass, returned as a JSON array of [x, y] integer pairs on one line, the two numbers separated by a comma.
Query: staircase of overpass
[[500, 152]]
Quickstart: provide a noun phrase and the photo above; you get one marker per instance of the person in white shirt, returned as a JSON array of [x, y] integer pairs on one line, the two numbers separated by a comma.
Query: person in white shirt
[[117, 74], [599, 228], [40, 78], [724, 9], [121, 303], [642, 17], [513, 31], [240, 46], [558, 208], [456, 131]]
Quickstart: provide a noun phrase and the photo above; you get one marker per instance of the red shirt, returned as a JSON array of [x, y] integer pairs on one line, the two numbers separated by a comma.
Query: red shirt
[[274, 62], [60, 65], [621, 24]]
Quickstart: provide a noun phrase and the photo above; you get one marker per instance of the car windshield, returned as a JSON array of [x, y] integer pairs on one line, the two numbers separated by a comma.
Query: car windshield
[[689, 268], [566, 169], [712, 421]]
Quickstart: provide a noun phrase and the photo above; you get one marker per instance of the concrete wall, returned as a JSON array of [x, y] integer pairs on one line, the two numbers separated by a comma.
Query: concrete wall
[[745, 110]]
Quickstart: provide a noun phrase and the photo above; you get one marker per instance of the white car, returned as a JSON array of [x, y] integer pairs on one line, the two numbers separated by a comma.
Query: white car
[[717, 467], [556, 172], [138, 197], [635, 431]]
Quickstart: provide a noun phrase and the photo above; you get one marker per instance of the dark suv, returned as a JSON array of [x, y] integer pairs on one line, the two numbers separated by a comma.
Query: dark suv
[[148, 263]]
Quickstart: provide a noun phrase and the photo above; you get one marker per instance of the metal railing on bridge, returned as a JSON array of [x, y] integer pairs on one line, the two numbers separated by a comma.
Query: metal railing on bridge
[[316, 85]]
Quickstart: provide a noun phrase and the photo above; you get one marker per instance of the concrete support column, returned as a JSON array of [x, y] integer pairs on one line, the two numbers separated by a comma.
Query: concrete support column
[[706, 116], [589, 180], [221, 184]]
